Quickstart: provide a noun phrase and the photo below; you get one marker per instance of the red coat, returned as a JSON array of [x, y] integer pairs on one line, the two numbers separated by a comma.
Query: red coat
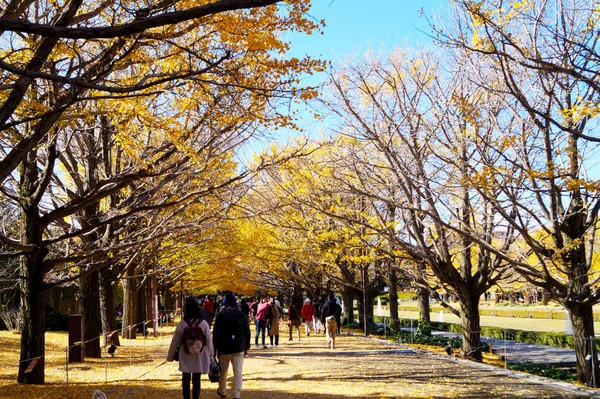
[[308, 311]]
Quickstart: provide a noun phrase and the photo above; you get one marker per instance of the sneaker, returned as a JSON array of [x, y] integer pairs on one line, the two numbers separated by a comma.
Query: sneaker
[[257, 347], [264, 346]]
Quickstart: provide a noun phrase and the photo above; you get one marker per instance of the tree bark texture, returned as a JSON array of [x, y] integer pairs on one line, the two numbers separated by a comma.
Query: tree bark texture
[[582, 318], [469, 312], [31, 283], [107, 307], [89, 308], [424, 308], [129, 289]]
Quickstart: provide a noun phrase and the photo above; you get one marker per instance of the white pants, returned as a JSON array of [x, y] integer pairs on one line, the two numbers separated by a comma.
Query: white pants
[[237, 361], [309, 326], [317, 325]]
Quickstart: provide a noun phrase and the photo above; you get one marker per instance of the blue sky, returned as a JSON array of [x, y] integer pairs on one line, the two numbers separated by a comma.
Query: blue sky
[[353, 25]]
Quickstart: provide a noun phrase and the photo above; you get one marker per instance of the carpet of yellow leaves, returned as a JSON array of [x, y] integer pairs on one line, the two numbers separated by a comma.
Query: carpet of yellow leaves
[[358, 368]]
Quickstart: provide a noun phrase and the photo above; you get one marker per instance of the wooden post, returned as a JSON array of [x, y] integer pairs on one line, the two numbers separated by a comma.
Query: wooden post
[[155, 305], [75, 338]]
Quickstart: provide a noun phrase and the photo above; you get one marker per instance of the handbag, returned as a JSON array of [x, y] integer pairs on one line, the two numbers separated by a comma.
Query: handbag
[[214, 372]]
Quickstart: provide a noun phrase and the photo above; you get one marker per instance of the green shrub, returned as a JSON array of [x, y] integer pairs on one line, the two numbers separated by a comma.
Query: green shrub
[[544, 370], [385, 299], [423, 328]]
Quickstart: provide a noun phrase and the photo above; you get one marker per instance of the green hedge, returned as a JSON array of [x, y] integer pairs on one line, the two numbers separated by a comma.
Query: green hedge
[[544, 370]]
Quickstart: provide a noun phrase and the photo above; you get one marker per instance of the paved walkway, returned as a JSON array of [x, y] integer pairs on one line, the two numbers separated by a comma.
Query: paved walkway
[[518, 352], [374, 368]]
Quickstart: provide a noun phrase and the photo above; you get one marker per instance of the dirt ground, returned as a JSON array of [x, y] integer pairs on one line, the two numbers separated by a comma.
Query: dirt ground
[[357, 368]]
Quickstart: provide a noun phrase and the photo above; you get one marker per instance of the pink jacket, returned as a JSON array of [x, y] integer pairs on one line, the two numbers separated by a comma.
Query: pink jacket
[[261, 312], [192, 363]]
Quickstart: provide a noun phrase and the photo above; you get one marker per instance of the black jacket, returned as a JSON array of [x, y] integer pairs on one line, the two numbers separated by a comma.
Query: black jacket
[[231, 331], [329, 309]]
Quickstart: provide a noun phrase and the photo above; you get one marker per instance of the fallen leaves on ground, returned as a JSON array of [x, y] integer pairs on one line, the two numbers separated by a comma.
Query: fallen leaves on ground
[[357, 368]]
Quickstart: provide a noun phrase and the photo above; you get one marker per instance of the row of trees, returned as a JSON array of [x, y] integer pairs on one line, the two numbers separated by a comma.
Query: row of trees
[[454, 169], [119, 125], [450, 169]]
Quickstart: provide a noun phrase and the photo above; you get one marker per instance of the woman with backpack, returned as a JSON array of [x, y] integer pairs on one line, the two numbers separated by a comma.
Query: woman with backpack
[[193, 343]]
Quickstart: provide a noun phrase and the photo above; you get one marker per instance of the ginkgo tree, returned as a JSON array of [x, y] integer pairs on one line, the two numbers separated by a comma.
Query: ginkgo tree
[[315, 223], [547, 55], [419, 119], [179, 83]]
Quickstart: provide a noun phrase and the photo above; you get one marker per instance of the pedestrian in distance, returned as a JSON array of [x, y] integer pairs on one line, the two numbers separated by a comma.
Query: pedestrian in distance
[[261, 321], [328, 313], [274, 330], [294, 318], [308, 312], [231, 338], [317, 319], [191, 365], [244, 308]]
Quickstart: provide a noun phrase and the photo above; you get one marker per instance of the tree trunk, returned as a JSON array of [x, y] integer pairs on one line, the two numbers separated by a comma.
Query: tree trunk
[[545, 298], [33, 319], [89, 308], [140, 308], [127, 329], [582, 318], [365, 307], [148, 314], [424, 310], [393, 293], [469, 312], [348, 299], [31, 282], [107, 308]]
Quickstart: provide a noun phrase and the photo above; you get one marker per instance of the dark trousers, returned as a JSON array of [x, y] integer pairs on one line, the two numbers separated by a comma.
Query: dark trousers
[[276, 339], [185, 385], [261, 326]]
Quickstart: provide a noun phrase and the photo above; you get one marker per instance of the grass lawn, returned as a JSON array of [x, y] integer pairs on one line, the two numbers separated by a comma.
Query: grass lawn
[[519, 323]]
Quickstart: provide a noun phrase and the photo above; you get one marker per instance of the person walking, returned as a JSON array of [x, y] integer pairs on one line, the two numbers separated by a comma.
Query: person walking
[[317, 319], [231, 338], [308, 312], [261, 321], [328, 313], [245, 308], [294, 318], [191, 365], [338, 314], [274, 330]]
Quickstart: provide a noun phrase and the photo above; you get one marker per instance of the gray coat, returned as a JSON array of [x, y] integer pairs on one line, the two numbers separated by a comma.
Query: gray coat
[[192, 363]]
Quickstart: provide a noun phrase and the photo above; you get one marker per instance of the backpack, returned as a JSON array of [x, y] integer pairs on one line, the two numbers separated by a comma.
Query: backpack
[[234, 327], [193, 340]]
